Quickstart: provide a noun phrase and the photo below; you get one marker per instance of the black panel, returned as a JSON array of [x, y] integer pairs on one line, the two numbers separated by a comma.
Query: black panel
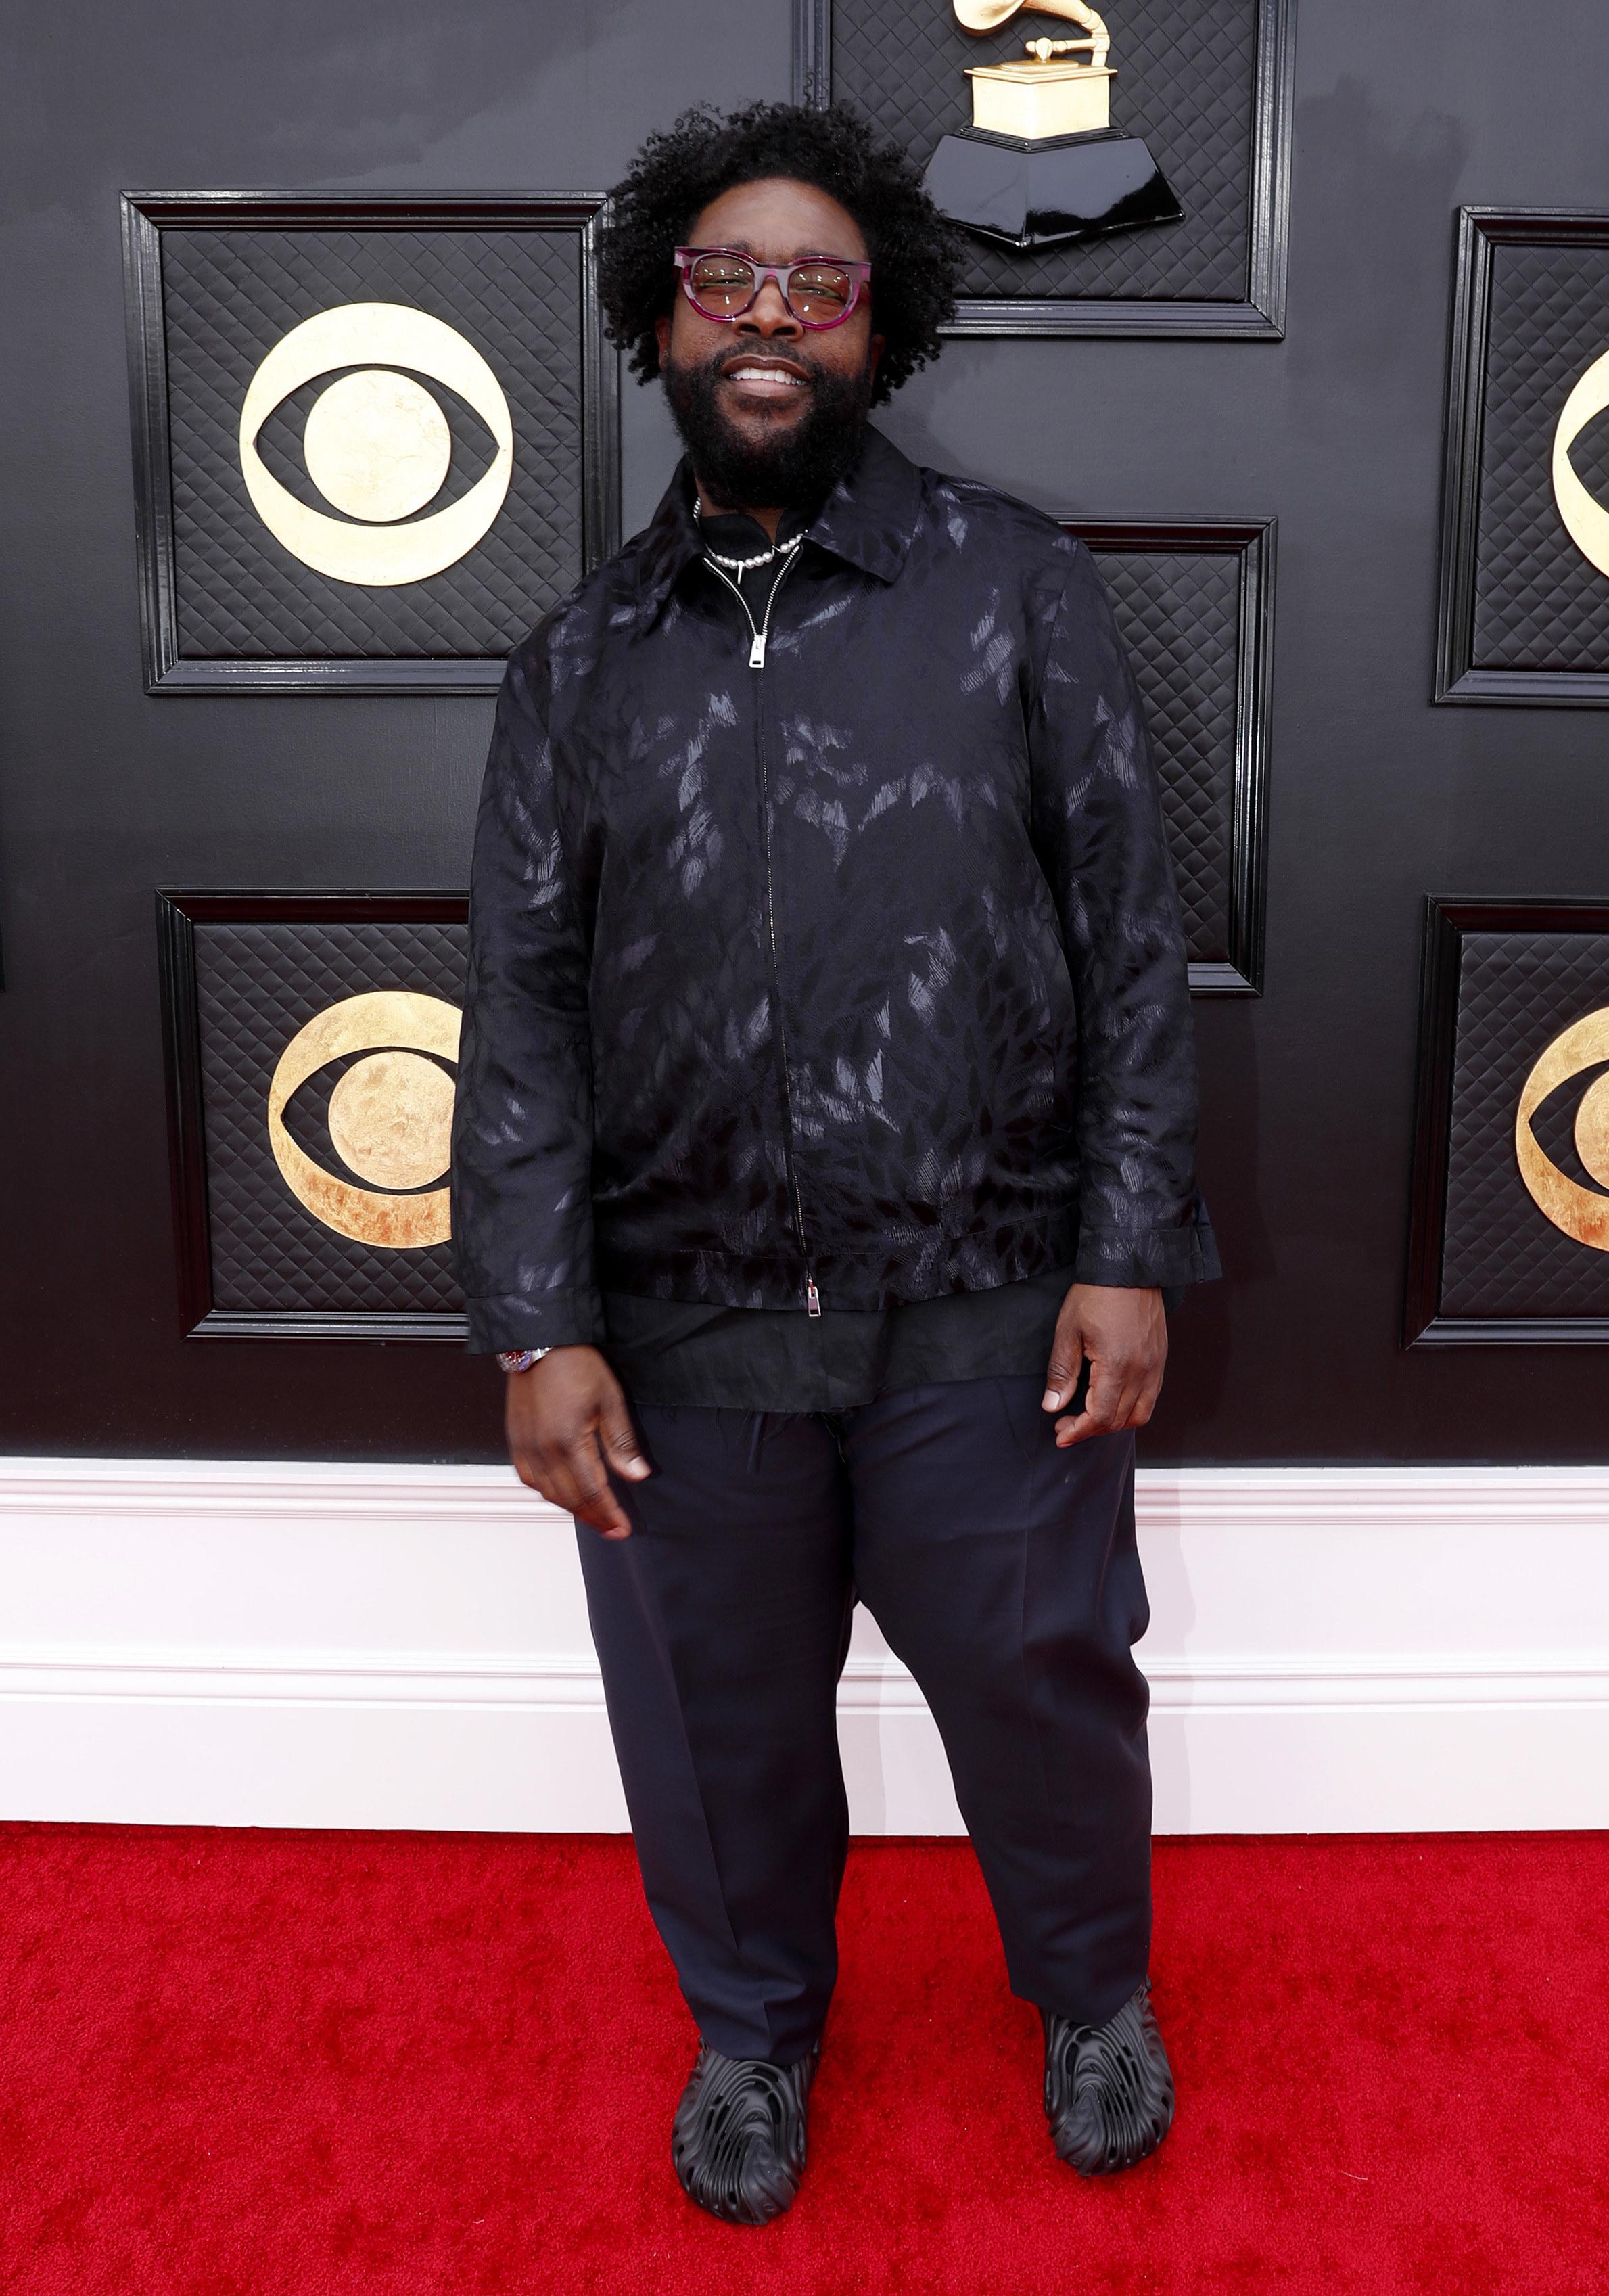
[[1503, 980], [229, 296], [1206, 82], [1193, 605], [214, 284], [243, 973], [1525, 614]]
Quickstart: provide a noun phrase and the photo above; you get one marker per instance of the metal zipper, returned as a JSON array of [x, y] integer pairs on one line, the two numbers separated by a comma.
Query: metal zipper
[[756, 661], [756, 653]]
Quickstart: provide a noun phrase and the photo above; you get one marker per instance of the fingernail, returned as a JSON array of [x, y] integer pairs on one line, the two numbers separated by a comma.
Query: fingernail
[[1052, 1401]]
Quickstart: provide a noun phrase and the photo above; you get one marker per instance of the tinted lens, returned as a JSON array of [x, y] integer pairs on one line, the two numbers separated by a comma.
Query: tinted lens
[[720, 284], [820, 292]]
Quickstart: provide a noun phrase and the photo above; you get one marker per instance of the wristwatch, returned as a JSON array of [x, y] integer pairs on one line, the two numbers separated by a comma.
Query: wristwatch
[[522, 1358]]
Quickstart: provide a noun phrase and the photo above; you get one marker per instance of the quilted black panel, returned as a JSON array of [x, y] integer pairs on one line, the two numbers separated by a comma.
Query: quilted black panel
[[1179, 615], [1540, 605], [1186, 81], [229, 296], [257, 985], [1501, 1257]]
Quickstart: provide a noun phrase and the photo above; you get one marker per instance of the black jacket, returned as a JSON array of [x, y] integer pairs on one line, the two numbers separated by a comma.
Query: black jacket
[[858, 966]]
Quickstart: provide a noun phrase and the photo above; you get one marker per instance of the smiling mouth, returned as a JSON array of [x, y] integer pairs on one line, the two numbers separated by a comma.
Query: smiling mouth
[[764, 381]]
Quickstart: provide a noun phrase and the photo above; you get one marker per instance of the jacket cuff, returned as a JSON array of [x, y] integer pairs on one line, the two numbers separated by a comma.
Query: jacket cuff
[[560, 1319], [1164, 1258]]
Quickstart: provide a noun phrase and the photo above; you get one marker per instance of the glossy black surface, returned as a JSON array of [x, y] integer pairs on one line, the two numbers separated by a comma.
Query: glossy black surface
[[1067, 188]]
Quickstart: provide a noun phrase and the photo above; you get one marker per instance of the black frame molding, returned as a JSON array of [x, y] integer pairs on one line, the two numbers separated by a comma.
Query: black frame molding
[[1480, 231], [1261, 318], [1446, 922], [145, 216], [1251, 541], [178, 914]]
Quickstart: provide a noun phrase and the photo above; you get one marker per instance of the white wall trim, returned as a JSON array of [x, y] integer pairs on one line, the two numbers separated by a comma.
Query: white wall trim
[[251, 1642], [275, 1488], [554, 1680]]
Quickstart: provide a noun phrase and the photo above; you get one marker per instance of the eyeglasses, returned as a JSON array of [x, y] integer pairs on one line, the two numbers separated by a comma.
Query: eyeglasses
[[722, 285]]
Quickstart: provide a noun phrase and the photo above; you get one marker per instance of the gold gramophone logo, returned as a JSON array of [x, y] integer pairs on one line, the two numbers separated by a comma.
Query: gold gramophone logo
[[1577, 1211], [376, 443], [1051, 91], [1040, 164], [390, 1116]]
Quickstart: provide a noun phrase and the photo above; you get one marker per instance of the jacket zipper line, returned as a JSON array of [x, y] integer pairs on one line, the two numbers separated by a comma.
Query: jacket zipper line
[[757, 663]]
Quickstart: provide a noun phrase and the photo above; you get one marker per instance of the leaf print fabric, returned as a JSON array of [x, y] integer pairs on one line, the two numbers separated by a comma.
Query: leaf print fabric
[[863, 968]]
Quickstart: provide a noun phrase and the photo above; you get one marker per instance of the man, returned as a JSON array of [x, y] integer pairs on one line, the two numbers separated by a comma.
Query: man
[[828, 1073]]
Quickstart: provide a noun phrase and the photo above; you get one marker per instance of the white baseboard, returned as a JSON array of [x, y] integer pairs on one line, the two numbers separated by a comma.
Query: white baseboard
[[1332, 1648]]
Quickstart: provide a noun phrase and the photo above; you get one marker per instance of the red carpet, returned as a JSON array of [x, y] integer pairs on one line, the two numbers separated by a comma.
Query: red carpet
[[260, 2064]]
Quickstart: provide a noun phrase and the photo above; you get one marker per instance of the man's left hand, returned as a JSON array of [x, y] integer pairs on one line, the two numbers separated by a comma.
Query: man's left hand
[[1124, 1335]]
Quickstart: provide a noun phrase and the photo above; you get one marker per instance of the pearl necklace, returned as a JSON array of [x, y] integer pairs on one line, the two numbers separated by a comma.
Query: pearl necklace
[[748, 565]]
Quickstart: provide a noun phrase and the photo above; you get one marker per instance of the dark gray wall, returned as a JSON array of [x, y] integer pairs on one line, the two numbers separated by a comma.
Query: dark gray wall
[[1377, 797]]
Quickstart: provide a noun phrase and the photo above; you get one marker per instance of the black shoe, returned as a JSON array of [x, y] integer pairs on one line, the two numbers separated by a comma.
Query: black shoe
[[1108, 2089], [738, 2140]]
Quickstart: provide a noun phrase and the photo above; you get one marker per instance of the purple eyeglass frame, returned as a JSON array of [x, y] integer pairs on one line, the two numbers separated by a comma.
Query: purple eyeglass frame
[[686, 256]]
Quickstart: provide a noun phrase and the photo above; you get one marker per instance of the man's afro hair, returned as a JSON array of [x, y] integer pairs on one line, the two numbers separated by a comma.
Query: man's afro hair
[[915, 254]]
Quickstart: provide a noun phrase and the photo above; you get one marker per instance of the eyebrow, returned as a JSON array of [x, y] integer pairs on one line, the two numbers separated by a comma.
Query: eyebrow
[[805, 254]]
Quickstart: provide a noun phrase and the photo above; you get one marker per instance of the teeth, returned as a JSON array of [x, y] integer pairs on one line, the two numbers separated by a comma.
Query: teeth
[[765, 374]]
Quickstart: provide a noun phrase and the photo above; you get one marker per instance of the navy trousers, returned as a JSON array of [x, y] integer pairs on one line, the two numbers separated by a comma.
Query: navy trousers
[[1001, 1571]]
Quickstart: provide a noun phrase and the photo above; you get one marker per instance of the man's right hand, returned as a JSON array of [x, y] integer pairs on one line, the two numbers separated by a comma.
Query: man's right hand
[[567, 1419]]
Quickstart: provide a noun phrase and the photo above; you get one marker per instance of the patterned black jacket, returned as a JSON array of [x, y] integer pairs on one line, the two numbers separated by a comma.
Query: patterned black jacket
[[849, 958]]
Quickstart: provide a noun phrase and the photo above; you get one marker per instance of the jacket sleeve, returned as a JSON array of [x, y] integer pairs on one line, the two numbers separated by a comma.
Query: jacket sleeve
[[1098, 832], [522, 1141]]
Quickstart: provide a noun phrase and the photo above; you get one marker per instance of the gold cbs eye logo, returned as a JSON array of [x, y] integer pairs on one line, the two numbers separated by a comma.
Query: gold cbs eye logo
[[1575, 1209], [1584, 517], [377, 445], [390, 1116]]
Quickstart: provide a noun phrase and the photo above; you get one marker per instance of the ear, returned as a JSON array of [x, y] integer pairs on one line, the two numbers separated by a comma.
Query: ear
[[874, 352], [662, 335]]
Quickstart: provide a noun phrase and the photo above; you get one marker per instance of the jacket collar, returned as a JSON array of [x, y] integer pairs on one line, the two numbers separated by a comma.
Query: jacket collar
[[868, 519]]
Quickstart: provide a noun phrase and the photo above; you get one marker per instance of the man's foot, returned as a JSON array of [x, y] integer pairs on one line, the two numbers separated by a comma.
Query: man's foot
[[738, 2140], [1108, 2089]]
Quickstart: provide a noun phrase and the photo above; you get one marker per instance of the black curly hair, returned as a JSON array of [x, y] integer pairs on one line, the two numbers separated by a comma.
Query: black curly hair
[[915, 254]]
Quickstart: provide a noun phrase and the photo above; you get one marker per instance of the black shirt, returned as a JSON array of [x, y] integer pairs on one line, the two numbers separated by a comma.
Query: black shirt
[[781, 1359]]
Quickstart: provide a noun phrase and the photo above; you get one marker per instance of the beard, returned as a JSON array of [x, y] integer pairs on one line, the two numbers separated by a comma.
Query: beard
[[793, 469]]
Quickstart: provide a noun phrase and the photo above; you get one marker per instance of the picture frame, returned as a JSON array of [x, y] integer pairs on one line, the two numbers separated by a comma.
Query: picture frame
[[1503, 980], [1258, 315], [1208, 705], [290, 627], [252, 1261], [1522, 616]]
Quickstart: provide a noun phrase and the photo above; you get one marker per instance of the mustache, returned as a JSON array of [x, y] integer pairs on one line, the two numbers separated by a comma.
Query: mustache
[[794, 463]]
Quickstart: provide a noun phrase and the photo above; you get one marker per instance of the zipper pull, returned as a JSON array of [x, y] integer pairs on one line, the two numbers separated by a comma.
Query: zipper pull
[[756, 653], [812, 1298]]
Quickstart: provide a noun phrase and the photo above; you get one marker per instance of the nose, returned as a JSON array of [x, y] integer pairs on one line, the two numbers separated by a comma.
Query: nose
[[769, 316]]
